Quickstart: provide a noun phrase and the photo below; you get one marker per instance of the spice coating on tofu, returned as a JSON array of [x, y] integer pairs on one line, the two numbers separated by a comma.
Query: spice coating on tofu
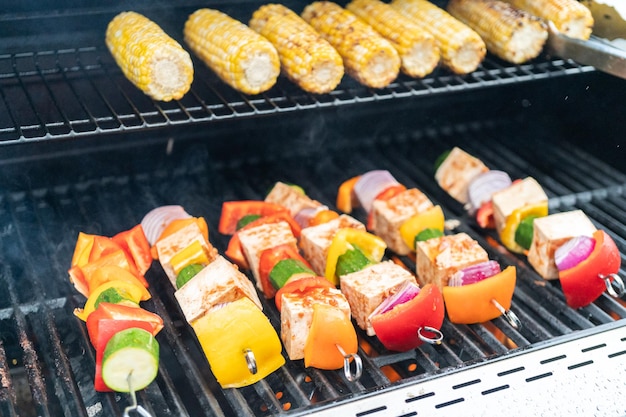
[[290, 197], [519, 194], [439, 258], [457, 171]]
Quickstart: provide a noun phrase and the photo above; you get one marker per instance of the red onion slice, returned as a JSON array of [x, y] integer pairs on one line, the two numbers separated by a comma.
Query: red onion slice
[[157, 220], [574, 251], [481, 188], [371, 184], [406, 293], [474, 273]]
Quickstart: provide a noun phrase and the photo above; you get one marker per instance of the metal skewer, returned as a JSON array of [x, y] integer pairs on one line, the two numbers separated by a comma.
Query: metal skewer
[[347, 369], [614, 286], [134, 406], [251, 361], [510, 316], [430, 340]]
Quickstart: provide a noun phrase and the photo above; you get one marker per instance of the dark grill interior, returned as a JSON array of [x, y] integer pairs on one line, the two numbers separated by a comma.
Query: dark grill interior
[[84, 151]]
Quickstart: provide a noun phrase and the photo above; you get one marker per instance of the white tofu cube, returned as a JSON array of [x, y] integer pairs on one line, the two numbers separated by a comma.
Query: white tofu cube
[[290, 197], [315, 240], [550, 233], [439, 258], [367, 288], [522, 193], [265, 236], [457, 171], [296, 316], [219, 282], [389, 215]]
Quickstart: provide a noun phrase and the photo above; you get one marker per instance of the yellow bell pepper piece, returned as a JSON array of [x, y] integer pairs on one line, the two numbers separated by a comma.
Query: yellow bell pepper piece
[[507, 235], [345, 239], [192, 254], [431, 218], [135, 291], [226, 333]]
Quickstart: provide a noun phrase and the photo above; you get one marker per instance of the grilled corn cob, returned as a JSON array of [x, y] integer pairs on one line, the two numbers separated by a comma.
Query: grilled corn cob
[[570, 17], [154, 62], [417, 48], [367, 56], [509, 33], [242, 58], [306, 58], [461, 48]]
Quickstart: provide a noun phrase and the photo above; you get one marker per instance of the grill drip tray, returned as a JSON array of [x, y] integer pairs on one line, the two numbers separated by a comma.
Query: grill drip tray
[[581, 374]]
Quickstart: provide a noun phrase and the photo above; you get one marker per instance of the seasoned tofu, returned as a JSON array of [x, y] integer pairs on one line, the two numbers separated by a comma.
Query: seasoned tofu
[[177, 241], [290, 197], [296, 316], [549, 233], [389, 215], [519, 194], [218, 283], [367, 288], [315, 240], [439, 258], [457, 171], [256, 239]]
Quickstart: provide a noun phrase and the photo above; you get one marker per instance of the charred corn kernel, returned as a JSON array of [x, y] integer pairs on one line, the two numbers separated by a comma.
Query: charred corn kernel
[[154, 62], [509, 33], [242, 58], [461, 48], [570, 17], [306, 58], [417, 48], [367, 56]]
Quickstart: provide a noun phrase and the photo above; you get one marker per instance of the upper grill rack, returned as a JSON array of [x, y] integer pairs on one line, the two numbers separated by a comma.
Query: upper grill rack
[[46, 361], [76, 92]]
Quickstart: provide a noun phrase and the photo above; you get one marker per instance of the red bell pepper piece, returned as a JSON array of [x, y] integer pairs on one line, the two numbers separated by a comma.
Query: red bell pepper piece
[[484, 216], [107, 311], [135, 243], [583, 283], [233, 211], [384, 195], [269, 258], [235, 251], [397, 329], [106, 329], [301, 286]]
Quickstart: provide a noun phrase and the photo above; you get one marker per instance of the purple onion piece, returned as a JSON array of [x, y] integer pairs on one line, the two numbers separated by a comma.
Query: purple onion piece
[[474, 273], [481, 188], [156, 220], [371, 184], [408, 291], [574, 251]]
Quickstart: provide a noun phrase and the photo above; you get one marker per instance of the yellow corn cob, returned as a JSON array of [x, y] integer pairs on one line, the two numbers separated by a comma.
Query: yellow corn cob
[[306, 58], [242, 58], [569, 16], [461, 48], [148, 57], [417, 48], [367, 56], [509, 33]]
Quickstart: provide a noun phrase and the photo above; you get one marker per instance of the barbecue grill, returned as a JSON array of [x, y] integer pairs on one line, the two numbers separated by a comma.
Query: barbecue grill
[[82, 150]]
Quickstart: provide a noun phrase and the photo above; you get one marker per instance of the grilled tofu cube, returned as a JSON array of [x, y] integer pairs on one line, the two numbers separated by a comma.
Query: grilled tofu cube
[[218, 283], [457, 171], [549, 233], [389, 215], [296, 316], [439, 258], [290, 197], [168, 247], [367, 288], [256, 239], [315, 240], [522, 193]]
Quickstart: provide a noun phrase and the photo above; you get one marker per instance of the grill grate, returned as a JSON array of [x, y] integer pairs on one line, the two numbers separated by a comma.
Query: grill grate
[[45, 349], [76, 92]]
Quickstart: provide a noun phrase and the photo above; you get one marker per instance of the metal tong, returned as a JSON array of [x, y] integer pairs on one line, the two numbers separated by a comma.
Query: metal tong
[[595, 52]]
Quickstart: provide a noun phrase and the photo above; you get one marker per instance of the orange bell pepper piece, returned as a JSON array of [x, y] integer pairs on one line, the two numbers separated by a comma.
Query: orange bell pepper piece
[[346, 200]]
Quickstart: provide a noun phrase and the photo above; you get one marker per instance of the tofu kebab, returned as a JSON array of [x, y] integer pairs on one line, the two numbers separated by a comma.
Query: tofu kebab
[[315, 316], [384, 297], [109, 272], [408, 221], [565, 246], [218, 301]]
